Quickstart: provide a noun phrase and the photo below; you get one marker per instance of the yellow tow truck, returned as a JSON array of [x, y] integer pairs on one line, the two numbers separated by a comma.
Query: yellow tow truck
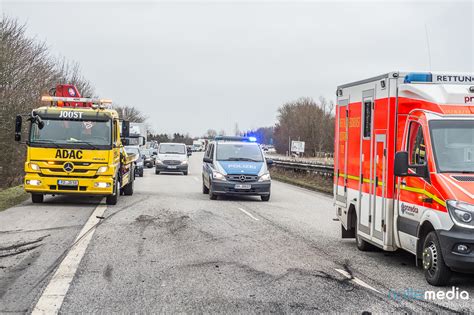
[[74, 147]]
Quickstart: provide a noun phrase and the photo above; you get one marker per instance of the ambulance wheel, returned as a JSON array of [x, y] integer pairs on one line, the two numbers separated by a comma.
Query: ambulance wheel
[[436, 271], [128, 189], [37, 198], [362, 245], [111, 200]]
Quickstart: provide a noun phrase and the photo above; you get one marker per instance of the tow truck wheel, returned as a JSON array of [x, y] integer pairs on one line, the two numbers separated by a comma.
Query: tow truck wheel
[[112, 199], [37, 198], [362, 245], [128, 189], [436, 271]]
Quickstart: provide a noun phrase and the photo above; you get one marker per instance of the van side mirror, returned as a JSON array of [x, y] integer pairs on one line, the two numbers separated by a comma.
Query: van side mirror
[[18, 123], [401, 164], [207, 160]]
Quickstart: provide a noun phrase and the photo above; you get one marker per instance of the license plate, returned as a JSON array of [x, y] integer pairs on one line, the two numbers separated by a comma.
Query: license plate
[[172, 167], [242, 186], [68, 182]]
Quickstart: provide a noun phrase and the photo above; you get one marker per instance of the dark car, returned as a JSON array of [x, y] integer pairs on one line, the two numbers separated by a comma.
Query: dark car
[[149, 157], [139, 161]]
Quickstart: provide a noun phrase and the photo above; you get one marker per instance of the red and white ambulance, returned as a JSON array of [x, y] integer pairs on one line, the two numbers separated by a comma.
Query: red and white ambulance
[[404, 167]]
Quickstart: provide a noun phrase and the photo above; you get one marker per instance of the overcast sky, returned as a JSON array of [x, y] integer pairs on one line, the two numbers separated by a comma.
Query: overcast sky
[[195, 65]]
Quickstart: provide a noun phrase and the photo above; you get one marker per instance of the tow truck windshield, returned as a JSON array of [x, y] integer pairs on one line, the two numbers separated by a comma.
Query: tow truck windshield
[[239, 152], [72, 134], [453, 143]]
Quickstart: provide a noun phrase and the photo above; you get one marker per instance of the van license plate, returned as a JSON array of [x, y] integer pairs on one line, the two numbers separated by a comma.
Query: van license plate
[[68, 182], [242, 186]]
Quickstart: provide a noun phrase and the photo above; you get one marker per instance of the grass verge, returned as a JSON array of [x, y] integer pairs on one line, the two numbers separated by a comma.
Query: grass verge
[[12, 196], [303, 179]]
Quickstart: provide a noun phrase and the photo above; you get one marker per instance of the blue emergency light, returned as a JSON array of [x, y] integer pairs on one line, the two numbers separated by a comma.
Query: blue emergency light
[[418, 77], [236, 138]]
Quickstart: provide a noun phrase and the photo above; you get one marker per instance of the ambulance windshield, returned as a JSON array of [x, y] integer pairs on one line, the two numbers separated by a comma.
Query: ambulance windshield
[[453, 143], [72, 134]]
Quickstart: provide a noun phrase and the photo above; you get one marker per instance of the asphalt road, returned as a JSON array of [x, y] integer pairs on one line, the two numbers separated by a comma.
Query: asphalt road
[[168, 249]]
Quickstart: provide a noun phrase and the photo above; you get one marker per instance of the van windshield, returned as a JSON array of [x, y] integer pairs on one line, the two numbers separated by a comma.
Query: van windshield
[[239, 152], [453, 144], [170, 148]]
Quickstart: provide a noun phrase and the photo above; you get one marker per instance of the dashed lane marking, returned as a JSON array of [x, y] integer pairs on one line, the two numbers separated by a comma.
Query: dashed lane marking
[[356, 280], [53, 296], [249, 214]]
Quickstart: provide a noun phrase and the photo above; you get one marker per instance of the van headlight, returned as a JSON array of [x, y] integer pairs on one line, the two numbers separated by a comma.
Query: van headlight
[[218, 176], [159, 162], [461, 213], [265, 177]]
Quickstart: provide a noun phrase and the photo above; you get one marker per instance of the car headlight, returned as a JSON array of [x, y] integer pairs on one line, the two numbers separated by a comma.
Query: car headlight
[[34, 167], [184, 162], [264, 177], [461, 213], [219, 176], [102, 169]]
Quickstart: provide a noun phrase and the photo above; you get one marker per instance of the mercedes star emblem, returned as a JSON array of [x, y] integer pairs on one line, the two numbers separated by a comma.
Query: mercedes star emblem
[[68, 167]]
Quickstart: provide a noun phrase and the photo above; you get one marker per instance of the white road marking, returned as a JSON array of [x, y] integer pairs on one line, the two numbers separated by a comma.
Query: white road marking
[[196, 179], [248, 213], [53, 296], [356, 280]]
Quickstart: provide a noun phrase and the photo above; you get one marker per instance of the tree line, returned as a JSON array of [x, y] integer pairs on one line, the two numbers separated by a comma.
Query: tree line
[[27, 71], [302, 120]]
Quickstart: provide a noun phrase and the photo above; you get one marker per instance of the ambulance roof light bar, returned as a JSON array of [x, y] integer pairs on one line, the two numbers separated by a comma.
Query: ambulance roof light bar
[[419, 77]]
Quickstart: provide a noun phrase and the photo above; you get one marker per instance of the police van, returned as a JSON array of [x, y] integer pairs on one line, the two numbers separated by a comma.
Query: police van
[[235, 166]]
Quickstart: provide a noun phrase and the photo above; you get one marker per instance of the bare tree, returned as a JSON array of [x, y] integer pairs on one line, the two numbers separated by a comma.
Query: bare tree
[[130, 113]]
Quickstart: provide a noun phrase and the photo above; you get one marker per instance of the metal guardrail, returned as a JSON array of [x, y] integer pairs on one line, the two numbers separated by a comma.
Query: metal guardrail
[[322, 169]]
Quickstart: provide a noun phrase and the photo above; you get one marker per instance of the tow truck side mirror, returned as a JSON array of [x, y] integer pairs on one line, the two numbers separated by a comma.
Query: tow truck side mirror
[[18, 123], [401, 164], [125, 129]]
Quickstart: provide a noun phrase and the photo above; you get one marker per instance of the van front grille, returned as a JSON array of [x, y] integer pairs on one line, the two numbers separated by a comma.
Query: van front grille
[[464, 178]]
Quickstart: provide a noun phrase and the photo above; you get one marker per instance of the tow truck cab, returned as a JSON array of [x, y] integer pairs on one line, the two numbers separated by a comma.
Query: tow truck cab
[[74, 147], [404, 167]]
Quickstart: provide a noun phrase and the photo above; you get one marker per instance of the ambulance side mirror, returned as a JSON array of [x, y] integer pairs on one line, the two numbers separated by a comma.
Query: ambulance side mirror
[[18, 124], [401, 164]]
